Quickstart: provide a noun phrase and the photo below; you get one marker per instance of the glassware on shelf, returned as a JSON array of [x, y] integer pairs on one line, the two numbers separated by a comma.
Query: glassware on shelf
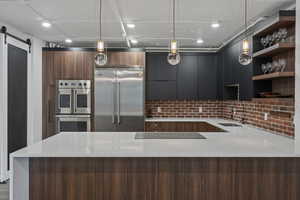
[[264, 68], [269, 67], [282, 63], [283, 32], [275, 66], [276, 37], [268, 40], [264, 42]]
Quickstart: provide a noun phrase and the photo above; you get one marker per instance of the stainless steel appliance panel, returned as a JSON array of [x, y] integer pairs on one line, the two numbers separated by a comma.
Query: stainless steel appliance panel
[[130, 124], [130, 92], [105, 100], [73, 97], [73, 123], [130, 99], [119, 99]]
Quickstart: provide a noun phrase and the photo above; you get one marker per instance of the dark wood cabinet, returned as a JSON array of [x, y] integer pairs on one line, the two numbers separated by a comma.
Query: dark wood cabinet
[[116, 58], [166, 178], [181, 127], [187, 86]]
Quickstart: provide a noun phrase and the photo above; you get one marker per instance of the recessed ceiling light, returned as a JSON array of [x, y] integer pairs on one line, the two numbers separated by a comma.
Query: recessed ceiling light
[[200, 41], [131, 25], [46, 24], [215, 25], [68, 40], [133, 41]]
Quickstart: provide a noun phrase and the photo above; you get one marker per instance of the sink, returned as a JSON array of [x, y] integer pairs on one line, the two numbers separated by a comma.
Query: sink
[[168, 135]]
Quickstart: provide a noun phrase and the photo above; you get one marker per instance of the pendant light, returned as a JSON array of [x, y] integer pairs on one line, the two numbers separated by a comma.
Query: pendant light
[[245, 57], [101, 57], [173, 56]]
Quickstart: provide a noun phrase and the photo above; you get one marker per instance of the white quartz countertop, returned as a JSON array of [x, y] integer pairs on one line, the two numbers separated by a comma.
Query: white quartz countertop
[[242, 141]]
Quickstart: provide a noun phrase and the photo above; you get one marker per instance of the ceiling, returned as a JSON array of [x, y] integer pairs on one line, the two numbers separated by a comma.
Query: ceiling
[[78, 20]]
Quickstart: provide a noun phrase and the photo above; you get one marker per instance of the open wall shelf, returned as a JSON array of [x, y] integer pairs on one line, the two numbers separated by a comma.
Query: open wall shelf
[[274, 75], [282, 83], [275, 49]]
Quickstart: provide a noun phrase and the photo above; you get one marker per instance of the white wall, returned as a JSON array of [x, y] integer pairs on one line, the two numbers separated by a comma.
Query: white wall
[[34, 94], [297, 89], [35, 91]]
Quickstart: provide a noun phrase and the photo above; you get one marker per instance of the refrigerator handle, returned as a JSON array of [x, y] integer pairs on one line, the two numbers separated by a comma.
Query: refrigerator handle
[[119, 121], [113, 99]]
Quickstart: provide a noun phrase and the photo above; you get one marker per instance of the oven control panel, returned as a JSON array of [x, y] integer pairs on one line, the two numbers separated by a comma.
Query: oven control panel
[[74, 84]]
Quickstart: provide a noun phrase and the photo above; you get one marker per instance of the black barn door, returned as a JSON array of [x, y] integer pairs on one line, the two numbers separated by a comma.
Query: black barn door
[[17, 98]]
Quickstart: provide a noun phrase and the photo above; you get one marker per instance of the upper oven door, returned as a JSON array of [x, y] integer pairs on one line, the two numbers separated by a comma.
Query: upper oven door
[[82, 101], [64, 101]]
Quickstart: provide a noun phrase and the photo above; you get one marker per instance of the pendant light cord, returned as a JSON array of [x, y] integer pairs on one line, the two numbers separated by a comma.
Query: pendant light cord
[[174, 19], [246, 15], [100, 19]]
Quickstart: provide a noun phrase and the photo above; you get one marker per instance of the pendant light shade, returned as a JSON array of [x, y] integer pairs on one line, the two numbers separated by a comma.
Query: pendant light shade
[[173, 57], [245, 57], [100, 46], [101, 57]]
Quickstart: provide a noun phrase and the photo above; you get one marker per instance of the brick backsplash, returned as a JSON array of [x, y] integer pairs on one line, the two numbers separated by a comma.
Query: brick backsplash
[[184, 109], [280, 112]]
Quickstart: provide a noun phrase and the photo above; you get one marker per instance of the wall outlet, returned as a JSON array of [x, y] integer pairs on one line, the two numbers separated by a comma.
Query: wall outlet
[[159, 109], [266, 116], [200, 110]]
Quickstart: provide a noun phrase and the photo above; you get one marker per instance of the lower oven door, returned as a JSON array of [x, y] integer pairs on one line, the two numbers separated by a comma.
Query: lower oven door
[[73, 123]]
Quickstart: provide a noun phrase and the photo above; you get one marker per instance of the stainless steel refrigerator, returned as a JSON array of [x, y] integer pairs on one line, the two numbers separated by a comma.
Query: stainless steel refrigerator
[[119, 99]]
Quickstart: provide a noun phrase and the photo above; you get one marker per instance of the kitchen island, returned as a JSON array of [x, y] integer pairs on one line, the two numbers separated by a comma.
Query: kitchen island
[[242, 163]]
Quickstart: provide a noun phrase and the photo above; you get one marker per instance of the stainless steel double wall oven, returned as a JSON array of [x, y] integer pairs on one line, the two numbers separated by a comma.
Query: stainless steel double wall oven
[[73, 106]]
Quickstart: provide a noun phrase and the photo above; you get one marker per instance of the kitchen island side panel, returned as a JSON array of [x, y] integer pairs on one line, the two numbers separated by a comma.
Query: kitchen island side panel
[[164, 178]]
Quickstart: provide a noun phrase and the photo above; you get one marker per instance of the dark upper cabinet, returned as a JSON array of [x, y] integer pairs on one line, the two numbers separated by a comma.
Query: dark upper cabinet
[[158, 68], [227, 67], [235, 73], [194, 78], [187, 84], [236, 66], [161, 90], [207, 77]]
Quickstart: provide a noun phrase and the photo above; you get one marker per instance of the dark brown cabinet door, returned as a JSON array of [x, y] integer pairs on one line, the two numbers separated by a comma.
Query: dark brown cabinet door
[[126, 58]]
